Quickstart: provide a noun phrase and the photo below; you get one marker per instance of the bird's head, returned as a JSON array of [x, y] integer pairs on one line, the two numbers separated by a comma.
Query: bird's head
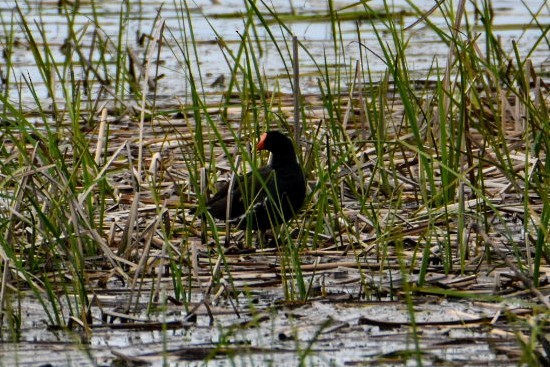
[[274, 141]]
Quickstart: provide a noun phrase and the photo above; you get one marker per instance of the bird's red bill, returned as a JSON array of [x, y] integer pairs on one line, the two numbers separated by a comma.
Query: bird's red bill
[[261, 143]]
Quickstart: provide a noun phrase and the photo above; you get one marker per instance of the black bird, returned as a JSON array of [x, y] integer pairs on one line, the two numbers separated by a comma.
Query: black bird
[[268, 197]]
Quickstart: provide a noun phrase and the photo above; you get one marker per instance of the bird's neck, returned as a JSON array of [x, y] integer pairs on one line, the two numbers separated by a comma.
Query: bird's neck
[[282, 161]]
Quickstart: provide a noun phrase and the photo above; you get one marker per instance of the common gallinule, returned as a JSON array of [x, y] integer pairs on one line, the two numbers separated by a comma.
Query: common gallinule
[[267, 197]]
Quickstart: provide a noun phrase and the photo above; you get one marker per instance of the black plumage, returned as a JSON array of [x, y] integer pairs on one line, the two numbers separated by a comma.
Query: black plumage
[[267, 197]]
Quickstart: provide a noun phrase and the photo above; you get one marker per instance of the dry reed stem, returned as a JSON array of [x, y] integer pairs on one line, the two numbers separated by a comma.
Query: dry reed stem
[[101, 136]]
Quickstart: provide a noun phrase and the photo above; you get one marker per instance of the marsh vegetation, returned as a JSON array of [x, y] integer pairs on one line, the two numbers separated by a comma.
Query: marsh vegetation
[[423, 132]]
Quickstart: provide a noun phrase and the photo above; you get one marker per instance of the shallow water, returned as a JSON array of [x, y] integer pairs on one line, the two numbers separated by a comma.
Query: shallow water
[[423, 51], [337, 332]]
